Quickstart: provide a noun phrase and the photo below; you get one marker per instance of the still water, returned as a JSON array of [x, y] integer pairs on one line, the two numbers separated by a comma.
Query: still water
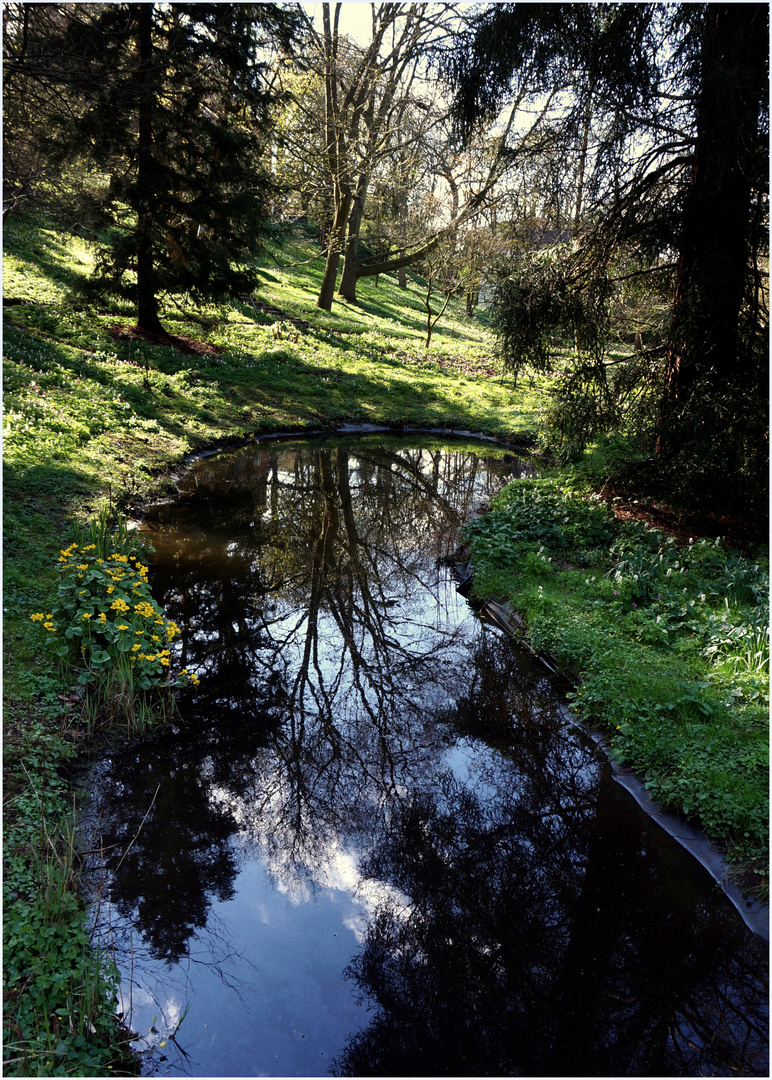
[[372, 845]]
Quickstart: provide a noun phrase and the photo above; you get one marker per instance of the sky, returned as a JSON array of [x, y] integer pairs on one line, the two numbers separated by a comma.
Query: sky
[[355, 19]]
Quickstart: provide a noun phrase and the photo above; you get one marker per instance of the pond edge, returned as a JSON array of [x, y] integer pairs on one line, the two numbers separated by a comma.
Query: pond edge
[[754, 913]]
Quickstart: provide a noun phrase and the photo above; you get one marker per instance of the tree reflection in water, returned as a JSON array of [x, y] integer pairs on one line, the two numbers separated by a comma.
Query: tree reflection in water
[[543, 937], [352, 711]]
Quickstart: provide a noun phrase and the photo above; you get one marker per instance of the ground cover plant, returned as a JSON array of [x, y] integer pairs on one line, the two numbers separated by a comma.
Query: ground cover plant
[[97, 415], [667, 644]]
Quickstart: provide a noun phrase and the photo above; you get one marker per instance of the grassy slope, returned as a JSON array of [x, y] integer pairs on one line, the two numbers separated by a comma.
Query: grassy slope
[[92, 413], [89, 413]]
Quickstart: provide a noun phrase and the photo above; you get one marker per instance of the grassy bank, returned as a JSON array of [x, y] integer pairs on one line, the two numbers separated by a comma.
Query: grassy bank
[[94, 413], [667, 643]]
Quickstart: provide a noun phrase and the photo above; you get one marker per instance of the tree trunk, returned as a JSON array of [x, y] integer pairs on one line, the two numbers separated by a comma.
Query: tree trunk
[[402, 272], [714, 249], [147, 302], [335, 244], [348, 279]]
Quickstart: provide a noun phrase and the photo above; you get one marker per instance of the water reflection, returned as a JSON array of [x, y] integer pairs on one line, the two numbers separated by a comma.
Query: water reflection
[[367, 772], [549, 932]]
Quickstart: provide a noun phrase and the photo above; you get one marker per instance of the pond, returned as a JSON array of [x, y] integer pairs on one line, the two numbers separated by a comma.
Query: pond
[[372, 843]]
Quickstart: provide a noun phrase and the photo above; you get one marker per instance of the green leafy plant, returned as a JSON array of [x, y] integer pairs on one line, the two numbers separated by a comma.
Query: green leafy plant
[[667, 644], [106, 629]]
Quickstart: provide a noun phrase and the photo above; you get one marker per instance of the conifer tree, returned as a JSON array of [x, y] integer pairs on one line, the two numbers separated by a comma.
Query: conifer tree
[[680, 93], [162, 126]]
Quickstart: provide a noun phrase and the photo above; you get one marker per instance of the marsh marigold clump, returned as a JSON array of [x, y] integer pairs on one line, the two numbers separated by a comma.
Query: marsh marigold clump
[[107, 627]]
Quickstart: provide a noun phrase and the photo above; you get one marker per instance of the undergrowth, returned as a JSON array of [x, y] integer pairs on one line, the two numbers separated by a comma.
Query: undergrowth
[[668, 646]]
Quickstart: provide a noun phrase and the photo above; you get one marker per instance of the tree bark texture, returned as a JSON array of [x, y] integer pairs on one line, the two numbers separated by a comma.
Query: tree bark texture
[[147, 301], [715, 239], [348, 279], [334, 246]]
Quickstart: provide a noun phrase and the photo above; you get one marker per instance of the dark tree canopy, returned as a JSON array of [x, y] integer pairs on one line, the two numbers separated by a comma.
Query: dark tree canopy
[[161, 112], [678, 192]]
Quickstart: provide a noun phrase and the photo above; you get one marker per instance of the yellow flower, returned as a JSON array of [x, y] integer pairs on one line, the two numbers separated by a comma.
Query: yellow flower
[[50, 626], [102, 617], [37, 617], [83, 566], [86, 615], [121, 626], [136, 647]]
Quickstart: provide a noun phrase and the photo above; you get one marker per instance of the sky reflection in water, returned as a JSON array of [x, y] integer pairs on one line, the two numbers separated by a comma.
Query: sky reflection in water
[[374, 848]]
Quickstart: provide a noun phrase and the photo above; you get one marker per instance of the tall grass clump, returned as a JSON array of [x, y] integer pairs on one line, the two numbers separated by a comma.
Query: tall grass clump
[[60, 993]]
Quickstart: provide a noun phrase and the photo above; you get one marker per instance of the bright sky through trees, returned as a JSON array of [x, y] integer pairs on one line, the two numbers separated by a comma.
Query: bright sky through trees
[[355, 19]]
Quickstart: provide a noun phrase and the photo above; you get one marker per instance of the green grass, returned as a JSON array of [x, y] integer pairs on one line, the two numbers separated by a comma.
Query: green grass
[[93, 414], [668, 647]]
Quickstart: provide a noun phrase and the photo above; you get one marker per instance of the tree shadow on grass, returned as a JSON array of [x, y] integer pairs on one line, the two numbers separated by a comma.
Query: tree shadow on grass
[[408, 320], [36, 521], [51, 484], [48, 248]]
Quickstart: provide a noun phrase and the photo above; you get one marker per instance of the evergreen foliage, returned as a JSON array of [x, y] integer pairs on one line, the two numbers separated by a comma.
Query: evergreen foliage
[[161, 113], [672, 101]]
